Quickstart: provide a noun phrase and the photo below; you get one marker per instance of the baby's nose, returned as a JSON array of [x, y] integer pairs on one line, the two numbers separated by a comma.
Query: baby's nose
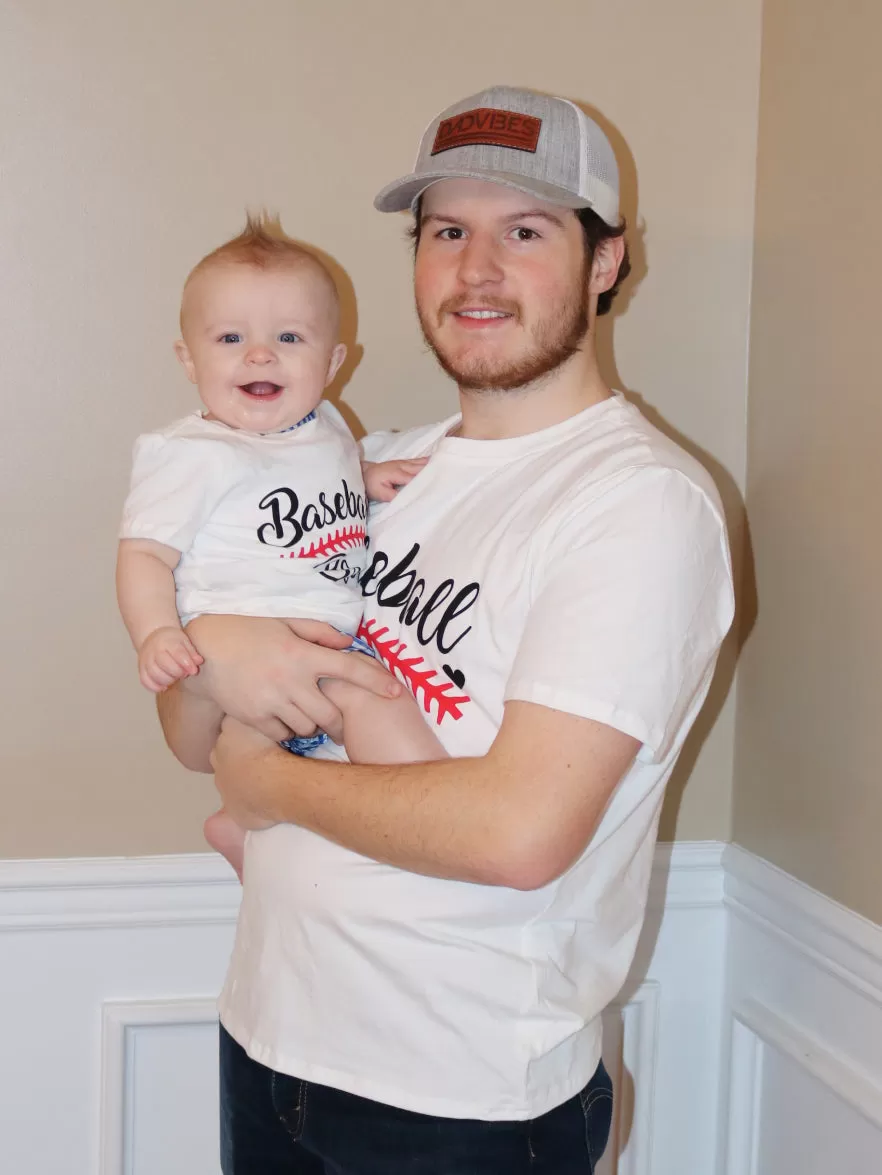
[[259, 354]]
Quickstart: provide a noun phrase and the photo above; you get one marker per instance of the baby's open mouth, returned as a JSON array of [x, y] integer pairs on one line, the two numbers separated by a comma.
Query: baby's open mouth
[[261, 388]]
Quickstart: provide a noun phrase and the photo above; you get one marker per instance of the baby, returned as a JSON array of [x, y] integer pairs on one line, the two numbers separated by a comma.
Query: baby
[[258, 504]]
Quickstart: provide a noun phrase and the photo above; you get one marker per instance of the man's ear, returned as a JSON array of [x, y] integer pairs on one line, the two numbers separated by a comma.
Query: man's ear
[[183, 353], [605, 266], [337, 357]]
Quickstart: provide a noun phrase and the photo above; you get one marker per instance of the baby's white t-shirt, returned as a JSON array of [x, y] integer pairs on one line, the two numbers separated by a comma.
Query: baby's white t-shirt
[[583, 568], [266, 525]]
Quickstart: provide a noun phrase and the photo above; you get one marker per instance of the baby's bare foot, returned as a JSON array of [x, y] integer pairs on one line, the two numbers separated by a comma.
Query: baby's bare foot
[[227, 838]]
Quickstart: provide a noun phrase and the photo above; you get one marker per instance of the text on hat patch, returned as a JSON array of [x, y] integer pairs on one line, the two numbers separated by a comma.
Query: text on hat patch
[[491, 128]]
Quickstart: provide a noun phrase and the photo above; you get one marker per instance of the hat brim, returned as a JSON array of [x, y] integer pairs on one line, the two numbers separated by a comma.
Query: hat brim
[[402, 193]]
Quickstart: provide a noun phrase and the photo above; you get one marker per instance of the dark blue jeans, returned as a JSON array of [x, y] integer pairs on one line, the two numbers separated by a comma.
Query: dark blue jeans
[[272, 1124]]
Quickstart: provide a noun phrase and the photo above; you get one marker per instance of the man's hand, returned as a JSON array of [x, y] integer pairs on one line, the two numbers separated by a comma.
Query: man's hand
[[236, 755], [265, 672]]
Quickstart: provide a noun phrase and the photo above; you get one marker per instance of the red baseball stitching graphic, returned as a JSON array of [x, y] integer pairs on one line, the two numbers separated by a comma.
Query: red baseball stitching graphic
[[340, 540], [415, 679]]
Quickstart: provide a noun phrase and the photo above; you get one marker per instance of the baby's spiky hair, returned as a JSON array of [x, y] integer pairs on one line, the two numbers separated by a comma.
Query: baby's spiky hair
[[263, 244]]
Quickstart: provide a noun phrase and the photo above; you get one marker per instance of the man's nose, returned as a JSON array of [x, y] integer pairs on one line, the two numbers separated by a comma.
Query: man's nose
[[479, 262]]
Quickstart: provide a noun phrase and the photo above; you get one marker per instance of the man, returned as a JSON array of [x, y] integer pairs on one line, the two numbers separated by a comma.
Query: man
[[425, 950]]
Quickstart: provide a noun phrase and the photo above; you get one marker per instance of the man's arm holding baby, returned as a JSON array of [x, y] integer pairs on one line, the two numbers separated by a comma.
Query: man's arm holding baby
[[518, 816]]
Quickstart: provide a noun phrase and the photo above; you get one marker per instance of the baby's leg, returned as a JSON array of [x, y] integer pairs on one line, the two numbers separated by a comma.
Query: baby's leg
[[227, 838], [382, 730]]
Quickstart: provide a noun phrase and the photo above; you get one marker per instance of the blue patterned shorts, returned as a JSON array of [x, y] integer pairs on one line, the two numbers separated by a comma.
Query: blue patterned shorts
[[303, 746]]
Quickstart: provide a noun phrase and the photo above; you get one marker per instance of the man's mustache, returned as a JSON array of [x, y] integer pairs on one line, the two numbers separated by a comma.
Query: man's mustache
[[466, 302]]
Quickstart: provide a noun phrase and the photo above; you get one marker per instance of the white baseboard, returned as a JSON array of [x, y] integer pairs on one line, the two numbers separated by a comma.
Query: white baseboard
[[753, 1002]]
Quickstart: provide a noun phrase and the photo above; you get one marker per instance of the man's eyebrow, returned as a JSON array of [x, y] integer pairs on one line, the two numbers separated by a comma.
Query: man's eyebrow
[[536, 213], [438, 219], [528, 214]]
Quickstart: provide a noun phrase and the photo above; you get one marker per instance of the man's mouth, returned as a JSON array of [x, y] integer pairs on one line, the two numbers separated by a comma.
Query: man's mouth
[[481, 319], [479, 315], [261, 389]]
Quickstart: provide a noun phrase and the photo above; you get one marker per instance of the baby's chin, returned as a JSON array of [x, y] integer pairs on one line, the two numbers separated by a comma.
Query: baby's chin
[[267, 409]]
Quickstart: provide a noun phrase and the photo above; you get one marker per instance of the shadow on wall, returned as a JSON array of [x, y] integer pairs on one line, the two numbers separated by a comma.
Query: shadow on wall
[[348, 335], [733, 502]]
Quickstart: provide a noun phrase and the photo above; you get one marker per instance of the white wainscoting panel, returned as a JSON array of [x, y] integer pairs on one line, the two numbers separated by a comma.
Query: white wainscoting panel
[[110, 969], [802, 1076], [158, 1112]]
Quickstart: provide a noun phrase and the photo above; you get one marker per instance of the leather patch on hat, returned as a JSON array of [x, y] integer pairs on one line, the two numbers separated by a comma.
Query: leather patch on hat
[[490, 128]]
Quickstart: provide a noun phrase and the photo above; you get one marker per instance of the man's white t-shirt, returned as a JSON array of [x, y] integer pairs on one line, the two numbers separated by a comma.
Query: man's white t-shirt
[[584, 568], [268, 525]]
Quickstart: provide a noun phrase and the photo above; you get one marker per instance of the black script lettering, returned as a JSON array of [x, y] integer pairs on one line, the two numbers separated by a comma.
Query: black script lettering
[[328, 512], [284, 530], [288, 527], [311, 519], [399, 588], [411, 610], [460, 603], [434, 602], [378, 564], [387, 595], [355, 503]]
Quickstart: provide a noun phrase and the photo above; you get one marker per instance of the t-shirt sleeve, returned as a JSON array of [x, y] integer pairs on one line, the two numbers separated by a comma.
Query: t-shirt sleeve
[[630, 610], [379, 446], [176, 484]]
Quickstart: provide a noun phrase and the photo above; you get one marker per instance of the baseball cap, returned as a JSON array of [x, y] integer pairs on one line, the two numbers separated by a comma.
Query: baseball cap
[[545, 146]]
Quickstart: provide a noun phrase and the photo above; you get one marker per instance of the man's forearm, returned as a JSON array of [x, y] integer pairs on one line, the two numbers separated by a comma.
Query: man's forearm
[[190, 723], [457, 819], [518, 816]]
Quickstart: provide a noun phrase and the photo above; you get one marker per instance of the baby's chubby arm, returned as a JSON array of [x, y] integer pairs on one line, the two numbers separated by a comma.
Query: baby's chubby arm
[[383, 479], [145, 588]]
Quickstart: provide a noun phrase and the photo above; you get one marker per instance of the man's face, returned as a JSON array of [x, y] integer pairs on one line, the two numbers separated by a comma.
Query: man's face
[[259, 343], [500, 282]]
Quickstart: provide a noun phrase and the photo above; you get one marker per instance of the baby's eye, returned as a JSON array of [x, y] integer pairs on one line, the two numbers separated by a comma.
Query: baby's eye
[[231, 337], [288, 336], [525, 234], [451, 234]]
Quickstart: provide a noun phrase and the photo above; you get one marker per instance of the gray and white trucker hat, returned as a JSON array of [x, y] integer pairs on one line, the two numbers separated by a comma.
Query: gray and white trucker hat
[[545, 146]]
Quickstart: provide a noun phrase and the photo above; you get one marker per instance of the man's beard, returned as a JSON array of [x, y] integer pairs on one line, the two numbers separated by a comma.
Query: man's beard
[[554, 339]]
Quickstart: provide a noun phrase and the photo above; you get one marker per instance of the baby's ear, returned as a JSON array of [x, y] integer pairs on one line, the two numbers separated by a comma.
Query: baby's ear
[[183, 353], [337, 357]]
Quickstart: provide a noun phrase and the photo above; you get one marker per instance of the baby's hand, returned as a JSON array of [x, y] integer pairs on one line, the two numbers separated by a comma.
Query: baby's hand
[[383, 479], [166, 656]]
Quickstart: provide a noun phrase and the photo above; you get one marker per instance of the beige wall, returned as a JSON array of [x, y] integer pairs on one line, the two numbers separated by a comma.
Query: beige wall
[[133, 137], [807, 793]]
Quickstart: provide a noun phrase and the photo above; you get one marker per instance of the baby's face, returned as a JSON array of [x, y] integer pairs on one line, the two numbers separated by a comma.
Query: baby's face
[[260, 344]]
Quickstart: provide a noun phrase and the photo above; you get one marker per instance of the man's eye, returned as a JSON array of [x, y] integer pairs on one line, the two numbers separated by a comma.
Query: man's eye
[[231, 337], [525, 234], [288, 336], [451, 234]]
